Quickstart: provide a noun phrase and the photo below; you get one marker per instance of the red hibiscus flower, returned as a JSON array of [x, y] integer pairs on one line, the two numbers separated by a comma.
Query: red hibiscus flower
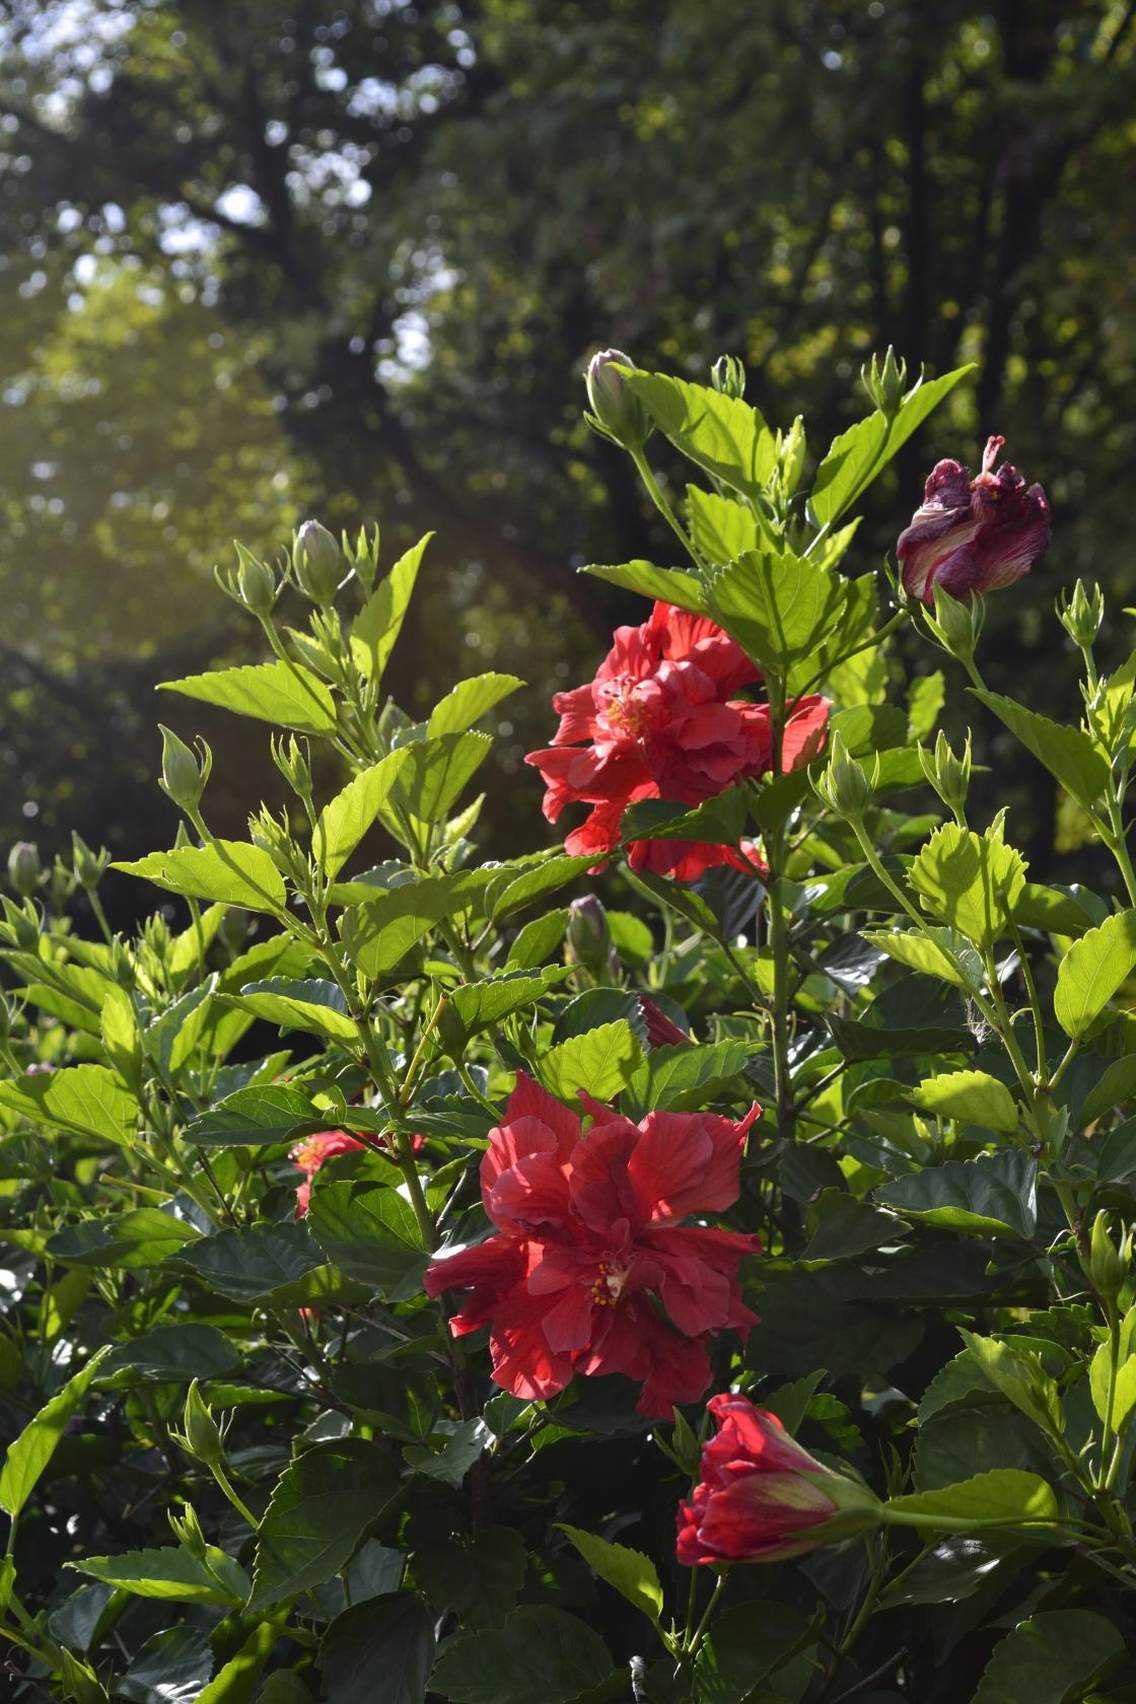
[[762, 1497], [310, 1154], [590, 1270], [973, 535], [658, 723]]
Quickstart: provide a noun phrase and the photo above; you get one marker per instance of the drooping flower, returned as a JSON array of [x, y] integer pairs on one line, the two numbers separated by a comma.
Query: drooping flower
[[761, 1497], [973, 535], [661, 1030], [590, 1270], [658, 722]]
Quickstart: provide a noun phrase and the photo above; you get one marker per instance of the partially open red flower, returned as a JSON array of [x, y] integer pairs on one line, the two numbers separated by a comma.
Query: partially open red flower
[[658, 723], [310, 1154], [590, 1270], [973, 535], [761, 1497]]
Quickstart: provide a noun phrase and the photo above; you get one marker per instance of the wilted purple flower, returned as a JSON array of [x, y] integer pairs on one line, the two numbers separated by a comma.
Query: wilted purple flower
[[973, 535]]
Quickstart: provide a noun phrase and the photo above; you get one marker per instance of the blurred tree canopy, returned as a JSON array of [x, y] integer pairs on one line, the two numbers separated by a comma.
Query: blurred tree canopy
[[264, 259]]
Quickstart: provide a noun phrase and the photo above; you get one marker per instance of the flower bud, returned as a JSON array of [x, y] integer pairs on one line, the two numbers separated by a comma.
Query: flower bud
[[256, 583], [971, 536], [728, 376], [845, 787], [183, 777], [616, 411], [291, 758], [589, 937], [1107, 1266], [24, 868], [957, 625], [1081, 614], [948, 774], [22, 924], [885, 382], [317, 562], [202, 1438], [187, 1530], [792, 448], [88, 866]]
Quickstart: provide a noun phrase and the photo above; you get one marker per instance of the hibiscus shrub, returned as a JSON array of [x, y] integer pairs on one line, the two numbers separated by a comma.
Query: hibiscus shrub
[[429, 1280]]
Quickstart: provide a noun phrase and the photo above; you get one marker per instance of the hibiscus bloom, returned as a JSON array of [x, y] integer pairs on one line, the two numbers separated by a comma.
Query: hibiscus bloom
[[973, 535], [658, 723], [590, 1270], [761, 1497], [310, 1154]]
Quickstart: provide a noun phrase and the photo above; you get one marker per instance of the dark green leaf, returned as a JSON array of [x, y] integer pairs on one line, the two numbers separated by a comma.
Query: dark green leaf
[[540, 1653], [320, 1508], [386, 1642], [994, 1196]]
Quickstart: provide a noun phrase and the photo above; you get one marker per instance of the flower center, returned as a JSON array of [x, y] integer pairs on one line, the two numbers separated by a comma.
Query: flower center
[[610, 1283], [627, 713]]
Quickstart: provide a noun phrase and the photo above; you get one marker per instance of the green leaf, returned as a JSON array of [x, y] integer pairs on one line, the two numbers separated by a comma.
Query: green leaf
[[434, 774], [720, 527], [602, 1061], [345, 819], [176, 1354], [315, 1006], [235, 1683], [970, 881], [747, 1652], [536, 883], [468, 701], [992, 1197], [721, 434], [1117, 1084], [1092, 971], [924, 702], [286, 694], [632, 1574], [84, 1100], [321, 1506], [257, 1117], [476, 1006], [391, 1637], [845, 1227], [1006, 1496], [1069, 754], [940, 952], [171, 1573], [778, 608], [1124, 1395], [538, 940], [540, 1653], [377, 626], [668, 585], [478, 1579], [371, 1234], [1049, 908], [143, 1237], [231, 872], [1020, 1377], [171, 1667], [721, 820], [253, 1264], [380, 932], [1051, 1658], [684, 1078], [464, 1443], [858, 455], [33, 1449], [975, 1097]]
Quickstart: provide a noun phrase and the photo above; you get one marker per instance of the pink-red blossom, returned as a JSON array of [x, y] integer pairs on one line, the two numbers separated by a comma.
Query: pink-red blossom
[[590, 1269], [659, 722], [310, 1154], [761, 1497], [973, 535]]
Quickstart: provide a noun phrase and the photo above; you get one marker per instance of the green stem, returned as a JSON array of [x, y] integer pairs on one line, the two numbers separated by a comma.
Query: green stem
[[100, 916], [700, 1630], [643, 468], [234, 1497], [1110, 1397]]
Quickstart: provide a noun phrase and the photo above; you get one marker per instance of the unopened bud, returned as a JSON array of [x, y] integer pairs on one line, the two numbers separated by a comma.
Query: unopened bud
[[317, 562], [947, 773], [792, 449], [845, 786], [87, 865], [589, 936], [202, 1438], [291, 758], [728, 376], [885, 382], [1081, 614], [1107, 1266], [616, 411], [183, 776], [22, 924], [957, 625], [24, 868], [187, 1530], [256, 583]]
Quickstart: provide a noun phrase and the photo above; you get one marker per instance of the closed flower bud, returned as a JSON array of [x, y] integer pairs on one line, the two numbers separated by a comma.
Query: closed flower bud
[[728, 376], [291, 758], [256, 583], [973, 535], [24, 868], [792, 456], [202, 1438], [183, 776], [1081, 614], [845, 787], [1107, 1266], [87, 865], [885, 382], [948, 774], [761, 1497], [317, 562], [187, 1530], [956, 625], [589, 937], [616, 410]]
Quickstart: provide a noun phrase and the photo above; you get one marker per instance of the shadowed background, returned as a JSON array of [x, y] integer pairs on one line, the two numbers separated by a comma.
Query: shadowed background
[[260, 261]]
